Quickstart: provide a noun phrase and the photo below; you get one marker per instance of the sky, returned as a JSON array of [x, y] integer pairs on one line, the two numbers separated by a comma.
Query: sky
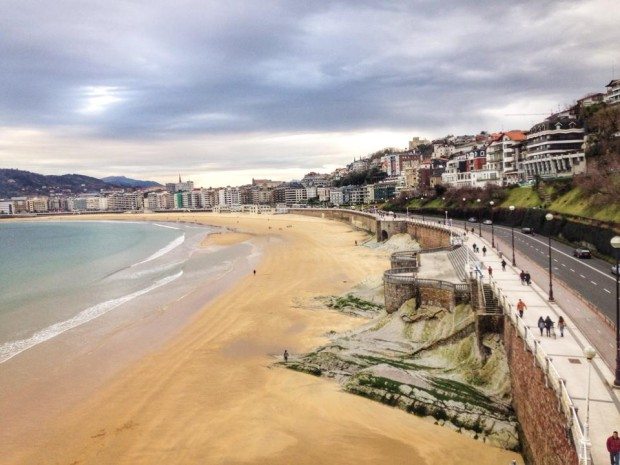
[[224, 91]]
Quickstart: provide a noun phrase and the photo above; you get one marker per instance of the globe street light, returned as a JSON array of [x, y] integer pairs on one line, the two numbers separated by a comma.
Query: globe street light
[[512, 232], [492, 227], [590, 353], [464, 216], [479, 218], [549, 217], [615, 243]]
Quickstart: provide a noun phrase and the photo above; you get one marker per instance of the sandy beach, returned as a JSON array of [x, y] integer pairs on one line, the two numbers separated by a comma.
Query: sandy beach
[[212, 394]]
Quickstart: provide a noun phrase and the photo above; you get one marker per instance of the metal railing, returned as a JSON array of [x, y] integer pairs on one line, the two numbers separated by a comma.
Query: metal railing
[[545, 362]]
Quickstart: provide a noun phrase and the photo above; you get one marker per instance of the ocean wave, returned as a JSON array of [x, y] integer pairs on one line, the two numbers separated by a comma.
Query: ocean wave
[[10, 349], [164, 250], [165, 226]]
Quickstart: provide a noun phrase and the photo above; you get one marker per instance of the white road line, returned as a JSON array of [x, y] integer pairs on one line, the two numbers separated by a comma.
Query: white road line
[[593, 283], [609, 292], [582, 276], [572, 270], [563, 265], [555, 259], [598, 330], [569, 256]]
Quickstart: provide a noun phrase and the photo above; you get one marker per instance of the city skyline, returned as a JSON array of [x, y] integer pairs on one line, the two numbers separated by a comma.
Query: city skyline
[[224, 93]]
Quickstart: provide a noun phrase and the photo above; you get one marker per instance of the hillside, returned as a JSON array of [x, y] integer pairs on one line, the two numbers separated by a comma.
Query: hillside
[[15, 183], [129, 182]]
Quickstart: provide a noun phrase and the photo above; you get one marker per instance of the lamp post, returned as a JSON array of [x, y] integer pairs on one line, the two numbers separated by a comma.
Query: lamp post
[[590, 353], [492, 226], [479, 218], [512, 233], [549, 217], [615, 243], [464, 222], [445, 221]]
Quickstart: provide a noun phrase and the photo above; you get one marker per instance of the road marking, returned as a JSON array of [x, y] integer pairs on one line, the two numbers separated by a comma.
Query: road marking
[[582, 276], [563, 265], [598, 331], [572, 270], [609, 292], [593, 282], [565, 254], [555, 259]]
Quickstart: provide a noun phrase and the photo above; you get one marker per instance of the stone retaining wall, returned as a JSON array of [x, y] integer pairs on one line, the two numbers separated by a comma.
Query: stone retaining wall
[[545, 434]]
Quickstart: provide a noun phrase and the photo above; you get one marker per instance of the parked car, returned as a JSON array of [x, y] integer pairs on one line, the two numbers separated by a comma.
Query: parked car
[[472, 220], [527, 231], [487, 222], [614, 269], [582, 253]]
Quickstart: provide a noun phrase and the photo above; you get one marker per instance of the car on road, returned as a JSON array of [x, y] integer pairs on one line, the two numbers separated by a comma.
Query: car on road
[[614, 269], [582, 253], [487, 222], [472, 220], [527, 231]]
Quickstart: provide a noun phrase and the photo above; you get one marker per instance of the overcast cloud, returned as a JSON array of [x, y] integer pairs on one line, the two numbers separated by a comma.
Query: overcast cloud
[[222, 91]]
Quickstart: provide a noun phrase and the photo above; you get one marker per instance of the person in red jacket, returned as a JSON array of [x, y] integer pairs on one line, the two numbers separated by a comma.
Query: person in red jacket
[[613, 446]]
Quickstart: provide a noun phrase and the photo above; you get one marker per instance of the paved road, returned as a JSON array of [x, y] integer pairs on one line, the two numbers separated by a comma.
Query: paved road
[[591, 278]]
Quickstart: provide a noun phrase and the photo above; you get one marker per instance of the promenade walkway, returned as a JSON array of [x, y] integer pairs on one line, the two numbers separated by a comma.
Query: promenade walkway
[[566, 352]]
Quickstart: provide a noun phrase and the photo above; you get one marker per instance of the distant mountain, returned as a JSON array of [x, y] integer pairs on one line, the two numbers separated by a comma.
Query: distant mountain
[[128, 182], [15, 183]]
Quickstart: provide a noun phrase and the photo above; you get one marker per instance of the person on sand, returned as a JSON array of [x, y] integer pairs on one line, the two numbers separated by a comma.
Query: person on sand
[[503, 265], [541, 325], [548, 325], [484, 250], [561, 325], [613, 447], [285, 355], [520, 307], [254, 272]]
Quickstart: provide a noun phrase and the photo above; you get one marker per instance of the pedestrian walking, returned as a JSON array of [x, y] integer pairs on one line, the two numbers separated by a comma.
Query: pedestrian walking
[[484, 250], [503, 265], [522, 276], [490, 270], [254, 272], [548, 325], [285, 355], [474, 247], [561, 325], [528, 278], [613, 447], [520, 307], [541, 325]]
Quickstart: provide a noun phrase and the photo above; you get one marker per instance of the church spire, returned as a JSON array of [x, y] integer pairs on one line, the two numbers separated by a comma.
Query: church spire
[[180, 178]]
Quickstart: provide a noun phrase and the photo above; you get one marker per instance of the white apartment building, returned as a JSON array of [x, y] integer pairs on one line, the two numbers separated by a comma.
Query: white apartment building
[[323, 194], [502, 155], [336, 197], [312, 192], [554, 149], [612, 96], [228, 196], [295, 195], [37, 205], [6, 207]]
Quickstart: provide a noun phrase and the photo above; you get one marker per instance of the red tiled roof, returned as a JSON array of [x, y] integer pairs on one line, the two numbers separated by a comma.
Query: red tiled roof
[[515, 135]]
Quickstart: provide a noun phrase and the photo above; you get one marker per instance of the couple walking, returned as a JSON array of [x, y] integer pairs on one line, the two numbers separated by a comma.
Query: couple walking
[[525, 277]]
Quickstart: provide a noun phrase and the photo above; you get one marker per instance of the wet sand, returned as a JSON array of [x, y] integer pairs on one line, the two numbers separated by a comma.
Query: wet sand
[[211, 395]]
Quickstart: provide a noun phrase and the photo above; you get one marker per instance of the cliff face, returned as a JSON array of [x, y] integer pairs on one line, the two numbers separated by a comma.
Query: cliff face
[[424, 361]]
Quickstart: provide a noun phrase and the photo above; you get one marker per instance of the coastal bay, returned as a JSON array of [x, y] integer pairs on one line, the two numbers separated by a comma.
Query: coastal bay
[[213, 395]]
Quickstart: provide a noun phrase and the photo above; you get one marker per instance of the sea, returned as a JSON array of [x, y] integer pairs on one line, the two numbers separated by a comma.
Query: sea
[[58, 276]]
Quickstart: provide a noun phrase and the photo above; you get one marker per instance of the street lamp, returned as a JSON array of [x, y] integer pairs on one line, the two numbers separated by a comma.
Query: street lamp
[[615, 243], [464, 222], [445, 221], [549, 217], [512, 233], [492, 226], [590, 353], [479, 218]]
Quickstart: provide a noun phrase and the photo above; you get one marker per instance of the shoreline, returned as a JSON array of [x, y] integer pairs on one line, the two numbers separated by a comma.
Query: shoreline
[[212, 395]]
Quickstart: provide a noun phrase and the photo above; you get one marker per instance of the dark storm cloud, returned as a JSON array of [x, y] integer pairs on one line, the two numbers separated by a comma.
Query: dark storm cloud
[[158, 70]]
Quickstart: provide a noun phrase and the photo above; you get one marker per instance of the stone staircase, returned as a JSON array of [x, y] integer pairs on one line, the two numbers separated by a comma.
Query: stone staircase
[[491, 304], [458, 258]]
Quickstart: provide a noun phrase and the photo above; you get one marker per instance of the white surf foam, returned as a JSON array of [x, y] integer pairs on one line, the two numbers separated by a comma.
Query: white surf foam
[[164, 250], [166, 226], [10, 349]]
